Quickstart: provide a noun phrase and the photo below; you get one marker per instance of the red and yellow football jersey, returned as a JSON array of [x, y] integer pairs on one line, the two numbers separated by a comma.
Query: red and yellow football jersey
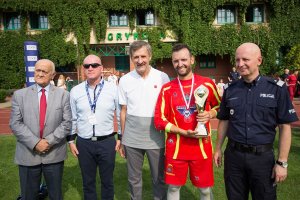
[[171, 110]]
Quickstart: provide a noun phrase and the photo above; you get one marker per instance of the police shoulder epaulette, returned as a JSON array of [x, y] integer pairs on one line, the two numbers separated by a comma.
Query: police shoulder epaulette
[[226, 86], [280, 83], [277, 82]]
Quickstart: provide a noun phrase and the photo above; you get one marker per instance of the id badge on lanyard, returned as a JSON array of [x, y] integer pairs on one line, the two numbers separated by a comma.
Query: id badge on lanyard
[[92, 119], [92, 116]]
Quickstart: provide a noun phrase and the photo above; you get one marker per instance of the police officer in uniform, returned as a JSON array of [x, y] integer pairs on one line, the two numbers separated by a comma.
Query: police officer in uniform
[[250, 111]]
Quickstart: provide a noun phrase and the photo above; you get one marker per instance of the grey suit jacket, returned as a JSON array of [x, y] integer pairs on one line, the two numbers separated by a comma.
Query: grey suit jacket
[[24, 122]]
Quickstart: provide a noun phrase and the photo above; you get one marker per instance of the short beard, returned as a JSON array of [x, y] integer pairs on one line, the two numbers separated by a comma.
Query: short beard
[[188, 70]]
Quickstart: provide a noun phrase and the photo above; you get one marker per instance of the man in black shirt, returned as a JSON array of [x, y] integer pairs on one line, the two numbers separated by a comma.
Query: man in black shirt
[[234, 75], [285, 75]]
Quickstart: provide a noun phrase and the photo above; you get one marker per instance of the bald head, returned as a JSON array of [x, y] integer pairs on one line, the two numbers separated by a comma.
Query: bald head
[[92, 59], [92, 69], [247, 60], [250, 48], [46, 62], [44, 72]]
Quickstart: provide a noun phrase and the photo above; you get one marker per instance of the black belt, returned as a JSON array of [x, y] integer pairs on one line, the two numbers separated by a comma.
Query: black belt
[[248, 148], [99, 138]]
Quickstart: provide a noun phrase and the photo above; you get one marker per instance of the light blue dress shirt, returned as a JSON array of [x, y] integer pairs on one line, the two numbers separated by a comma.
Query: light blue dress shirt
[[106, 106], [39, 89]]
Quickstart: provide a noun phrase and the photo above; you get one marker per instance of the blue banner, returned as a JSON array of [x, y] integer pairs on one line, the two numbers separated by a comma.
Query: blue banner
[[31, 56]]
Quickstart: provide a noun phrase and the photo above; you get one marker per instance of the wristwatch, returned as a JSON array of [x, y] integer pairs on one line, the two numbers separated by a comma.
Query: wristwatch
[[282, 163]]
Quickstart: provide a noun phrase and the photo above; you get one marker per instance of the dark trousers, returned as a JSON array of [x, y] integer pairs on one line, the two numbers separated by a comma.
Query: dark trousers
[[30, 178], [93, 154], [244, 172]]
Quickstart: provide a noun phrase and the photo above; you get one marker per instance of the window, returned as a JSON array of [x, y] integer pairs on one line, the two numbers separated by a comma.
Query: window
[[118, 19], [145, 18], [12, 21], [207, 61], [255, 13], [122, 62], [114, 20], [38, 21], [226, 15]]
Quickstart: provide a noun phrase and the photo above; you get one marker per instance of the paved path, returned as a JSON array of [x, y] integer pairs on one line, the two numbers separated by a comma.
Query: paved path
[[4, 121], [5, 114]]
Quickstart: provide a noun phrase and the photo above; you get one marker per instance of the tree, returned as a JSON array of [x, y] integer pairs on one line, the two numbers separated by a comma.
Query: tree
[[293, 57]]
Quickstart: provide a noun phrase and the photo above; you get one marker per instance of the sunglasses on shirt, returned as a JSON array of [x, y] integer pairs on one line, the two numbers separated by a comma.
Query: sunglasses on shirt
[[94, 65]]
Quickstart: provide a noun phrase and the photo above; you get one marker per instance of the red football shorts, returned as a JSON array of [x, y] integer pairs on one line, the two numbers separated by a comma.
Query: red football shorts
[[201, 172]]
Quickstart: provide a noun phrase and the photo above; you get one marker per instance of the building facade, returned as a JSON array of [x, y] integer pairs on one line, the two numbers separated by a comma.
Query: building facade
[[213, 29]]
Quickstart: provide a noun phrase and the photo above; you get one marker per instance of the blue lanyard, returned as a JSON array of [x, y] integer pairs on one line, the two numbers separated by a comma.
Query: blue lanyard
[[93, 104]]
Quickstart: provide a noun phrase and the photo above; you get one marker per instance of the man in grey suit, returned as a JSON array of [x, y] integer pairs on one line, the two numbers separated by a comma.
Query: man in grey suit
[[41, 120]]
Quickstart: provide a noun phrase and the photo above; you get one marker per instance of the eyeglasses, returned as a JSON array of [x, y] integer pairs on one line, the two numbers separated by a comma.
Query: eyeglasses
[[94, 65]]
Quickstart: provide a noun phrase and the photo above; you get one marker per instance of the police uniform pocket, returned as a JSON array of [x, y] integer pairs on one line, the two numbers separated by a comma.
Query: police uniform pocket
[[266, 108], [234, 107]]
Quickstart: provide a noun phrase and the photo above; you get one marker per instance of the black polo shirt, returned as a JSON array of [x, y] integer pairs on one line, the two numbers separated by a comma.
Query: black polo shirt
[[284, 76], [254, 110], [234, 76]]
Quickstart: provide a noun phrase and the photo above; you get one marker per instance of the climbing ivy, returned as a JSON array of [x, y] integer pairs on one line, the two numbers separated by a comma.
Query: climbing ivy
[[293, 58], [190, 20], [12, 67]]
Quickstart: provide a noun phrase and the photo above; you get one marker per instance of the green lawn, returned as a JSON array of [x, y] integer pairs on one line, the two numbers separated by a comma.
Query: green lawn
[[72, 186]]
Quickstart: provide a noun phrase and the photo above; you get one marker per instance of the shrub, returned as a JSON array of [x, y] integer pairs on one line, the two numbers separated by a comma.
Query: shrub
[[3, 94], [10, 92]]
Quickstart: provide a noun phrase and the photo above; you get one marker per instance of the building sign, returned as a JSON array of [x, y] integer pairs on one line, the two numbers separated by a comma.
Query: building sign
[[129, 36], [31, 56]]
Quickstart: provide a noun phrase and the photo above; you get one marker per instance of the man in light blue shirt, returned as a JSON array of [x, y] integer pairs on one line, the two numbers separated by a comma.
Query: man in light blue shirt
[[94, 103]]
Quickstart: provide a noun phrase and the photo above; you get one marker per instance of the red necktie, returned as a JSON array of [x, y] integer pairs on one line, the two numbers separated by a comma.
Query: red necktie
[[43, 107]]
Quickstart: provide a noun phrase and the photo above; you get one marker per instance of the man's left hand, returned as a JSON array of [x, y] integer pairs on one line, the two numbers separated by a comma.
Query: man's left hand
[[120, 149], [42, 146], [279, 173], [118, 145]]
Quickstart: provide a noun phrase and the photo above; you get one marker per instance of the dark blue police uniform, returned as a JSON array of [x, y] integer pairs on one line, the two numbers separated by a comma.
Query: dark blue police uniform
[[254, 110]]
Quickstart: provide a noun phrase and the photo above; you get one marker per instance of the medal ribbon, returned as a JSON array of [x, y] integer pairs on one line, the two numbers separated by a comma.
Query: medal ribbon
[[187, 104]]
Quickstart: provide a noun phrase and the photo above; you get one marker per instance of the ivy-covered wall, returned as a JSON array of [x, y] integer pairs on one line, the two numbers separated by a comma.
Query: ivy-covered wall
[[191, 20]]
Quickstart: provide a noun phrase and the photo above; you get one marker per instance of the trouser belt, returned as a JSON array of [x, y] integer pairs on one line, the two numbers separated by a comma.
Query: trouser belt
[[99, 138], [247, 148]]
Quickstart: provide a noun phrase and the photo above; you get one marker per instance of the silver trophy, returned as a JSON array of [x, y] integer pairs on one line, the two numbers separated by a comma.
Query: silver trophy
[[200, 95]]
